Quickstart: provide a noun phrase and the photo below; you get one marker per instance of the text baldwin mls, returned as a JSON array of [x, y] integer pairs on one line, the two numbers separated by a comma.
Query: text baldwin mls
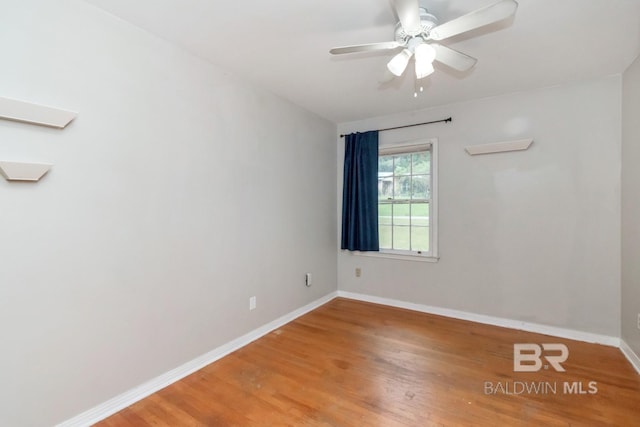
[[540, 387]]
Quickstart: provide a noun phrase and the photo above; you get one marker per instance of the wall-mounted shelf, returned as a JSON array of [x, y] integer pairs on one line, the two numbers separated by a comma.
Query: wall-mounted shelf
[[499, 147], [12, 109], [14, 171]]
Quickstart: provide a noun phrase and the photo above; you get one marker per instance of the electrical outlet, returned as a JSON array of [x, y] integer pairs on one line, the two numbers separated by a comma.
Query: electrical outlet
[[638, 320], [307, 280], [358, 272], [252, 303]]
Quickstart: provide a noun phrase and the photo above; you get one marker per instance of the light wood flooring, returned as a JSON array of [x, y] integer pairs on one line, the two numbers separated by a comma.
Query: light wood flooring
[[351, 363]]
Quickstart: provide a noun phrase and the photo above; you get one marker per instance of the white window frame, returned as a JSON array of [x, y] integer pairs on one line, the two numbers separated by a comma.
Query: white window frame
[[432, 255]]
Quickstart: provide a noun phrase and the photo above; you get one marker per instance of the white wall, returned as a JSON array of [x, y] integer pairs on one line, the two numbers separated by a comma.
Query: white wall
[[177, 194], [631, 206], [532, 236]]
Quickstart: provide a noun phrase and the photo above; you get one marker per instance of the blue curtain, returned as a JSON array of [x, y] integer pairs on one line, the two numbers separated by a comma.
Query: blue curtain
[[360, 192]]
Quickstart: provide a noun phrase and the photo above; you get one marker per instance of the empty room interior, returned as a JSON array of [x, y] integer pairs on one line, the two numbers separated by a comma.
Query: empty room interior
[[320, 213]]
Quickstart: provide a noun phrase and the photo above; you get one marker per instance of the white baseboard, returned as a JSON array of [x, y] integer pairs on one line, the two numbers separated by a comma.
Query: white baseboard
[[130, 397], [489, 320], [631, 356]]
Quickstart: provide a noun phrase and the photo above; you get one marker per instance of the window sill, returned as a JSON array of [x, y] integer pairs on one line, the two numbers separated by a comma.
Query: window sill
[[395, 255]]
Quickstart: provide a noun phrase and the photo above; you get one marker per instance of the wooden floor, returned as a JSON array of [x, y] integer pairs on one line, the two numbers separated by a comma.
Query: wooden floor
[[351, 363]]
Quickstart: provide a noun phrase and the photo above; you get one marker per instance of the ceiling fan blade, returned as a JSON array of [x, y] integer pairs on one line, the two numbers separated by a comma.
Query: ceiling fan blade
[[364, 47], [408, 12], [479, 18], [452, 58]]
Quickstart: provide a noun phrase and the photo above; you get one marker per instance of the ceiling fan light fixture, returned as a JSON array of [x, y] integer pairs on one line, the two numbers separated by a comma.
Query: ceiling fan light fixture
[[425, 55], [423, 70], [399, 63]]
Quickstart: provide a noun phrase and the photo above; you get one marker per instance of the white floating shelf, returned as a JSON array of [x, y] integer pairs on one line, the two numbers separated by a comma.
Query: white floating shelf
[[499, 147], [14, 171], [12, 109]]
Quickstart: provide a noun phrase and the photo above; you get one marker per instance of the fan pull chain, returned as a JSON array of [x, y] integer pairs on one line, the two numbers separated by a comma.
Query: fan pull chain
[[416, 89]]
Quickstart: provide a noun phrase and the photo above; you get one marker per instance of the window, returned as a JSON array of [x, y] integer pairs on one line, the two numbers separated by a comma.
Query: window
[[406, 199]]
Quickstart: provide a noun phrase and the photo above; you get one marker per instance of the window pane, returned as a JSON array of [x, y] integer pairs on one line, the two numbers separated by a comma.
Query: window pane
[[402, 164], [420, 239], [401, 238], [422, 163], [420, 214], [402, 187], [385, 186], [385, 164], [401, 213], [384, 236], [384, 213], [420, 187]]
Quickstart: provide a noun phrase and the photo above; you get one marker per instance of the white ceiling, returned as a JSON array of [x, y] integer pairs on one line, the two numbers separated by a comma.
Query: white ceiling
[[283, 46]]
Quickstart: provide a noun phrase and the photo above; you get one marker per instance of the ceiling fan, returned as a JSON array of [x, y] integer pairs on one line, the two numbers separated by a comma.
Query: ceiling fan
[[418, 31]]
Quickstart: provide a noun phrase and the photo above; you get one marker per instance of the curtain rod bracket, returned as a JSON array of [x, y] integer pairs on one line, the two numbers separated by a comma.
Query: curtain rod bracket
[[449, 119]]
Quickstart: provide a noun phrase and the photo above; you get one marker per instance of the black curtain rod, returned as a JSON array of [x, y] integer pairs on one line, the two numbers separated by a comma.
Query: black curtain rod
[[409, 126]]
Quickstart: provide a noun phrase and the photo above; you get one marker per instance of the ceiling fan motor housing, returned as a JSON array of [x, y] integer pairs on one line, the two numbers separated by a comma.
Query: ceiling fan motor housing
[[427, 22]]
